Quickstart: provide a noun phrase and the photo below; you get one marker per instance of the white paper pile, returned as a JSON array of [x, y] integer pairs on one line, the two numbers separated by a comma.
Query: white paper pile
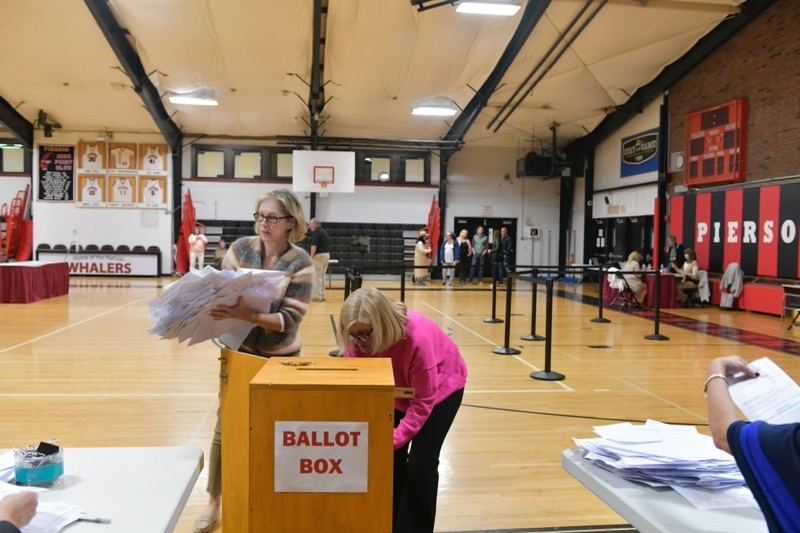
[[182, 310], [662, 455]]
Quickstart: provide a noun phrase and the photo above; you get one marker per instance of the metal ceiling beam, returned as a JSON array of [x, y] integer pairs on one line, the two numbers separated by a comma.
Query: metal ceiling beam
[[15, 124], [530, 18], [364, 143], [683, 5], [316, 99], [117, 38], [668, 77]]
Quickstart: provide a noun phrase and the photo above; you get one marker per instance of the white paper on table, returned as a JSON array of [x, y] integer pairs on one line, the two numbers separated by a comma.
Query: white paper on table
[[772, 397], [728, 498], [652, 431], [52, 517]]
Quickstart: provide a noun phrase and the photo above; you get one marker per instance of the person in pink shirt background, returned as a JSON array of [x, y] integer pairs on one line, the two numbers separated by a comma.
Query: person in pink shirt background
[[197, 248], [424, 358]]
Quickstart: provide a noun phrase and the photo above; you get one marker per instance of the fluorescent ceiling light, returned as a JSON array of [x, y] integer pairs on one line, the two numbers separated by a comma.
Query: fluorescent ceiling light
[[10, 146], [436, 107], [505, 8], [192, 100]]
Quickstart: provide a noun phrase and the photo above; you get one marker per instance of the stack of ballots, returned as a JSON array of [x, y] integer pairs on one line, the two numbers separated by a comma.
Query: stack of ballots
[[182, 310], [661, 455]]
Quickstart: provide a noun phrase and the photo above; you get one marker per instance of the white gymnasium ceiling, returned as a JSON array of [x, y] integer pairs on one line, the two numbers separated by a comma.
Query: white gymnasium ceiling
[[380, 56]]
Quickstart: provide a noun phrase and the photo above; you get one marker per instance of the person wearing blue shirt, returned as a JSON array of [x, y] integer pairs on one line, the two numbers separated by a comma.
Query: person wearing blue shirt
[[768, 455]]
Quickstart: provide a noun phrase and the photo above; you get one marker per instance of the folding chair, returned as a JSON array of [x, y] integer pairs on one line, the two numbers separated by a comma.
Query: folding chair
[[625, 298], [700, 294]]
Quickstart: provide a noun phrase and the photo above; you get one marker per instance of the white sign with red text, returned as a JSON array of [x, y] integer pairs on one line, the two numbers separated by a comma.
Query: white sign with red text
[[105, 263], [321, 456]]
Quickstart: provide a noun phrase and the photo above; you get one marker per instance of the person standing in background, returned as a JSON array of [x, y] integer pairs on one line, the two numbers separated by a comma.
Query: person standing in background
[[675, 253], [480, 250], [464, 254], [505, 247], [448, 257], [320, 255], [422, 258], [197, 248]]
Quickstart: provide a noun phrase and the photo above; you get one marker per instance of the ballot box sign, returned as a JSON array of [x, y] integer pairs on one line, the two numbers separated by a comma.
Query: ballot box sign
[[321, 456]]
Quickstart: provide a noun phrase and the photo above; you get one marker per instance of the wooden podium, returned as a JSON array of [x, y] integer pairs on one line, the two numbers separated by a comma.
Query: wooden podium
[[317, 453]]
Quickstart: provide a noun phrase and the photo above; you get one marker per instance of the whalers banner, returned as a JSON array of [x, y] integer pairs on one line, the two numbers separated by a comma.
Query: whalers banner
[[756, 227]]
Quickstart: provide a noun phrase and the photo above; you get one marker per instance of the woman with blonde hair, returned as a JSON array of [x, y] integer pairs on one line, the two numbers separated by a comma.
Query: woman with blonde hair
[[464, 254], [635, 282], [279, 223], [424, 358]]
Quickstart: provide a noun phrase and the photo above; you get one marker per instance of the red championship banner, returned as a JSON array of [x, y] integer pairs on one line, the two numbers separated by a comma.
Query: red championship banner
[[756, 227]]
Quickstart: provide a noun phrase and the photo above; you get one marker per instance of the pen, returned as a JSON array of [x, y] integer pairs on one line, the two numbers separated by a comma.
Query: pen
[[94, 520]]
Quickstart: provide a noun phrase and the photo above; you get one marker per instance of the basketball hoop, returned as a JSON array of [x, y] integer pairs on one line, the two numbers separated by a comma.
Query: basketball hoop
[[323, 176]]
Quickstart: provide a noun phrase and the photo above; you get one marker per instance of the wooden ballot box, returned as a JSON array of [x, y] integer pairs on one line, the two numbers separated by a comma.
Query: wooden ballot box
[[236, 371], [321, 454]]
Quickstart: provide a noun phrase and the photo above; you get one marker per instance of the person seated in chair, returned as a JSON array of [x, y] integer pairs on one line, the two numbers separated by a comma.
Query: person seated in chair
[[689, 276], [635, 282]]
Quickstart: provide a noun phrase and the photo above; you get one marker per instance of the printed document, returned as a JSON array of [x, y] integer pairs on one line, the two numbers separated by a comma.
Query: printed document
[[772, 397]]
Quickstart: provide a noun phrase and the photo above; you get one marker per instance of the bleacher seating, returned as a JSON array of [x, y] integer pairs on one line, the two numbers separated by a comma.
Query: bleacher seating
[[372, 247]]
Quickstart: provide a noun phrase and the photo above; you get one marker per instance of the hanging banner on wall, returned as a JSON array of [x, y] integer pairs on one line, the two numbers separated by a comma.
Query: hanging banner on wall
[[57, 173], [756, 227], [639, 154]]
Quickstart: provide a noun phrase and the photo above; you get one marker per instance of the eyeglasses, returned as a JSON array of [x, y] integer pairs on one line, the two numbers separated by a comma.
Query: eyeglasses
[[360, 337], [269, 219]]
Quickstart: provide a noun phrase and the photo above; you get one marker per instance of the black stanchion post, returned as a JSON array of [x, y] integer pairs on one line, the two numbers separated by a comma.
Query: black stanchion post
[[656, 336], [403, 284], [506, 350], [494, 319], [599, 319], [347, 282], [547, 374], [533, 336]]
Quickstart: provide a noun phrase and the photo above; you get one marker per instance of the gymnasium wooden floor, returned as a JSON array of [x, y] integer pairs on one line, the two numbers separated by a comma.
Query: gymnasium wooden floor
[[83, 369]]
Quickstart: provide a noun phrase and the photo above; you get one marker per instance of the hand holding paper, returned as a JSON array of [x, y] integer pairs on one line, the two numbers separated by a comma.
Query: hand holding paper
[[186, 309]]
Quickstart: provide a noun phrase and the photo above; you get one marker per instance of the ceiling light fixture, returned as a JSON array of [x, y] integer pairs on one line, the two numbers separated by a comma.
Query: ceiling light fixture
[[193, 97], [503, 8], [435, 107], [192, 100]]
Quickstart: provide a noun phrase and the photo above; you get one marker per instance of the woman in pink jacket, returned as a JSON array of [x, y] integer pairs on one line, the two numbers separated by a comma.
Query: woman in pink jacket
[[423, 357]]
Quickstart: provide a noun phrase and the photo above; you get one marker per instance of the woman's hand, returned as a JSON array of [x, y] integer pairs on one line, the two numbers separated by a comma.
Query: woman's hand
[[731, 365], [237, 310], [19, 509]]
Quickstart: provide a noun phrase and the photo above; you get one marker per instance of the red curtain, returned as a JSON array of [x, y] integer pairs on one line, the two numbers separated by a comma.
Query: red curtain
[[434, 222], [188, 221]]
